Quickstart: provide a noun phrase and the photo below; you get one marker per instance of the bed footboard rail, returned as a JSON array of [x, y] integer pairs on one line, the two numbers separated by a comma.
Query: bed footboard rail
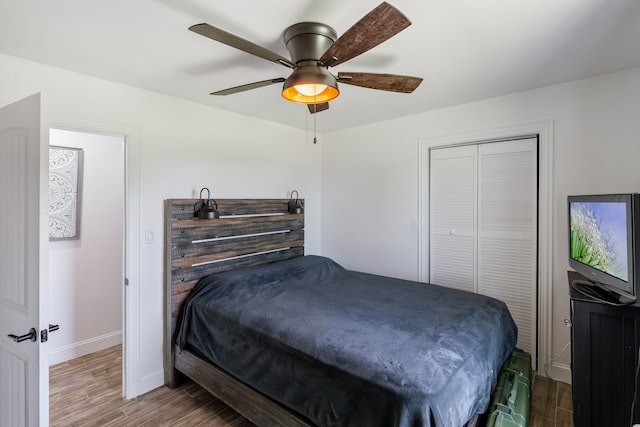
[[254, 406]]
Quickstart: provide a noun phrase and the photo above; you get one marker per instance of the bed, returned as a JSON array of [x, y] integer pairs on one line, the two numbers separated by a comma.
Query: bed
[[287, 339]]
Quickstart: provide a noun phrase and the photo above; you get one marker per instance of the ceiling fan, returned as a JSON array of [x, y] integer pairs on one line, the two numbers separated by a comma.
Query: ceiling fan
[[314, 47]]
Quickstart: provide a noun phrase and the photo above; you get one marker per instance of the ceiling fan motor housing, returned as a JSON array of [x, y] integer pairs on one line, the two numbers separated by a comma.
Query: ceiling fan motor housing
[[308, 41]]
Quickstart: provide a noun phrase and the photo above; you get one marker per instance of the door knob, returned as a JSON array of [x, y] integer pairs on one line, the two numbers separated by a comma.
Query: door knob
[[32, 335]]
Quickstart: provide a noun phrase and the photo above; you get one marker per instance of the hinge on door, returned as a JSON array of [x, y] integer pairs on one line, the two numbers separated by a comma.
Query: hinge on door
[[126, 281]]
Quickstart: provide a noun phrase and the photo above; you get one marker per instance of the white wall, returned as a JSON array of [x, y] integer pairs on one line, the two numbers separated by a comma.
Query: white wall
[[374, 169], [85, 275], [368, 175], [183, 147]]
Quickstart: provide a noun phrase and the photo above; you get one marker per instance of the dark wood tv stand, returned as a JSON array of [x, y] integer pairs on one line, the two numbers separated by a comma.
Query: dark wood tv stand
[[605, 340]]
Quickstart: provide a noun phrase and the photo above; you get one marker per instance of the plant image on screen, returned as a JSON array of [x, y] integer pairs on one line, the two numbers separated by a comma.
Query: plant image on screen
[[598, 236]]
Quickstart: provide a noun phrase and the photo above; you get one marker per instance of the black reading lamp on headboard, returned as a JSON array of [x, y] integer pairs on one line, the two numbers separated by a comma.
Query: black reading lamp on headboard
[[206, 209], [295, 206]]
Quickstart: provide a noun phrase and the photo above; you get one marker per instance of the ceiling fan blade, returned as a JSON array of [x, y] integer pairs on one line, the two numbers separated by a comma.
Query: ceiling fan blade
[[388, 82], [248, 86], [382, 23], [316, 108], [239, 43]]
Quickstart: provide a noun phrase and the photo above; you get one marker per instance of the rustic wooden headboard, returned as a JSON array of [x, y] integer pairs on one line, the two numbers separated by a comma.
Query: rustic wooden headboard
[[248, 232]]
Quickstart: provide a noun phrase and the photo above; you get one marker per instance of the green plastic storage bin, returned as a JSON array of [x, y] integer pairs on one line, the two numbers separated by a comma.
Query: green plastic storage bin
[[512, 397]]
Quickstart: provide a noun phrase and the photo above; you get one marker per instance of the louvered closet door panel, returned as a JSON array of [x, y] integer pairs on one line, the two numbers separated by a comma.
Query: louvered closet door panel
[[452, 217], [507, 230]]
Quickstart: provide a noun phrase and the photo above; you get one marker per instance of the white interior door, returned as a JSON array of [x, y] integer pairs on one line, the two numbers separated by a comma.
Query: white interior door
[[24, 368]]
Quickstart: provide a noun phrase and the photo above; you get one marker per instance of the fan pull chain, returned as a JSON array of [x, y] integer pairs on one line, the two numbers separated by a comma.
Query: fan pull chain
[[315, 135], [306, 126]]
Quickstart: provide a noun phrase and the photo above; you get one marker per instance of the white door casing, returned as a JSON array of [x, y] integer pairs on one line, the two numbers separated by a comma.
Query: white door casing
[[545, 133], [24, 367]]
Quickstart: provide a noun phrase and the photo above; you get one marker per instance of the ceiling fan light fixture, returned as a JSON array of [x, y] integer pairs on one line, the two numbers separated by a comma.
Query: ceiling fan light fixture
[[310, 84]]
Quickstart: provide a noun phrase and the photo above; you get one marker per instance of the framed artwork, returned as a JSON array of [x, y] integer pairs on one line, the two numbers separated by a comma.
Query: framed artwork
[[65, 185]]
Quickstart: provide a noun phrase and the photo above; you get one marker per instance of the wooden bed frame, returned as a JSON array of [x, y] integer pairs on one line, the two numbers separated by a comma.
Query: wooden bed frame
[[248, 232]]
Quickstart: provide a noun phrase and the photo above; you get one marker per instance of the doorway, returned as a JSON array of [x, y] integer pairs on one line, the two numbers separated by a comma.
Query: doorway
[[86, 273], [131, 305]]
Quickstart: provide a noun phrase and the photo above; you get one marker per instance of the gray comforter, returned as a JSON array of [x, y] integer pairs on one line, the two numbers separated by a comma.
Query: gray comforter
[[345, 348]]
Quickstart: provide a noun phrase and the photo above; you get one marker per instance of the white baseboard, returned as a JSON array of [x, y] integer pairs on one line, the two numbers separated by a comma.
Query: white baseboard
[[81, 348], [560, 372], [151, 382]]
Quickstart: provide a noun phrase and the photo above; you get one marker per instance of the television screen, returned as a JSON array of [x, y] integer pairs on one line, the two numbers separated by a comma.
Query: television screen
[[599, 236]]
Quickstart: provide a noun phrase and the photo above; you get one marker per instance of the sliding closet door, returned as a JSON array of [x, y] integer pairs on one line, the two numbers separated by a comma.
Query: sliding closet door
[[483, 225], [507, 230], [452, 219]]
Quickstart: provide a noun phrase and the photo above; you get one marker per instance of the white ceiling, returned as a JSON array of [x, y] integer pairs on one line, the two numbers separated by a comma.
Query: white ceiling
[[466, 50]]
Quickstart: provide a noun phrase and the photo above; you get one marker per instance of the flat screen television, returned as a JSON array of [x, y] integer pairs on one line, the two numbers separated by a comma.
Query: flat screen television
[[604, 242]]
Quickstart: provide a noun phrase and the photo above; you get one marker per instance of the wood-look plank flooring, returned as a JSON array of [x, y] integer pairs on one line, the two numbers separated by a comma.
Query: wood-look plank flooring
[[551, 404], [87, 391]]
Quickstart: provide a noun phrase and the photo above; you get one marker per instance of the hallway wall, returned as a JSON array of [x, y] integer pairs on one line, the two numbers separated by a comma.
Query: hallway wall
[[85, 275]]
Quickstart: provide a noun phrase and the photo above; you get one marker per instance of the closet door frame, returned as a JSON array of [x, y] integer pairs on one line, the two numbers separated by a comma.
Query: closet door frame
[[544, 132]]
